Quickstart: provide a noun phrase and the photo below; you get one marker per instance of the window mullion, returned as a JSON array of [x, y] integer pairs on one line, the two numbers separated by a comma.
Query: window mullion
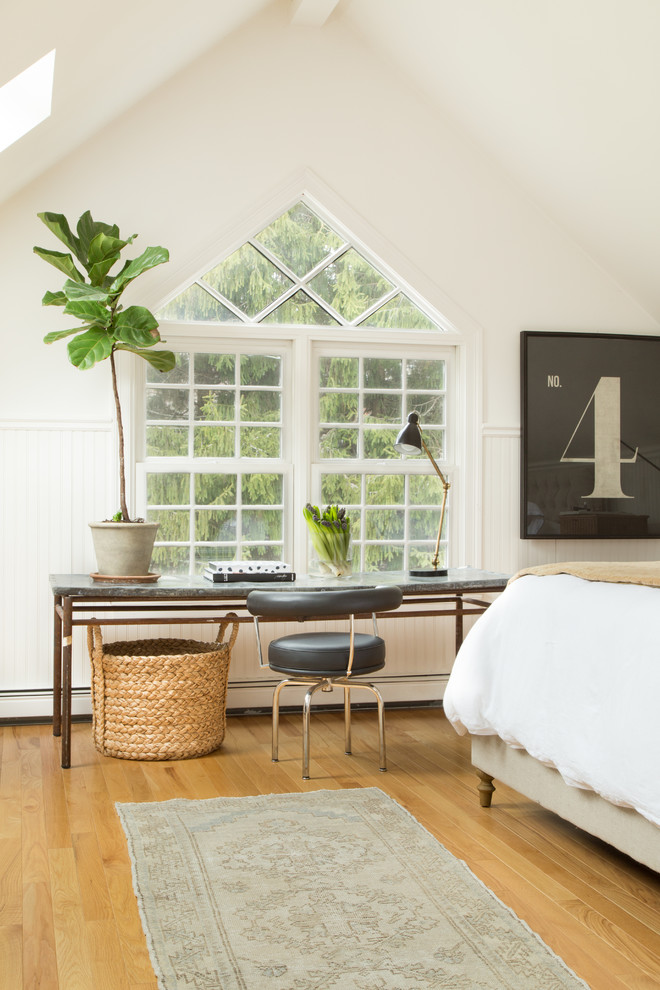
[[374, 307], [218, 296], [267, 310], [320, 301]]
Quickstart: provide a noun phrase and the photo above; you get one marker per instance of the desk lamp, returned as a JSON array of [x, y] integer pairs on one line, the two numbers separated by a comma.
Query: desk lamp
[[410, 441]]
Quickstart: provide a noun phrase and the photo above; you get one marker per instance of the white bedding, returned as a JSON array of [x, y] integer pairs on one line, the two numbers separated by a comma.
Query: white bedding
[[569, 670]]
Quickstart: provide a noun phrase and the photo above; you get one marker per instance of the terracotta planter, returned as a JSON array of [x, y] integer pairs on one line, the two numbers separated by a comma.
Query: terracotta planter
[[123, 549]]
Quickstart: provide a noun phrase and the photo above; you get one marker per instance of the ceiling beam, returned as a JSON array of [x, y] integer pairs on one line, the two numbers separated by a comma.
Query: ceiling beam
[[312, 13]]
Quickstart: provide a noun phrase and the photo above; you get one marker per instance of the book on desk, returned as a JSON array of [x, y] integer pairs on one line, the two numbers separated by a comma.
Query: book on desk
[[224, 572]]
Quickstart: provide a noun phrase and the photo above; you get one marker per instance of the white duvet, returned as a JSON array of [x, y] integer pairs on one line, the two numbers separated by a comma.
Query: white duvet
[[569, 670]]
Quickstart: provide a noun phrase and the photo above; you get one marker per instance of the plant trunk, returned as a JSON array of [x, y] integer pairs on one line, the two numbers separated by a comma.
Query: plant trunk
[[120, 434]]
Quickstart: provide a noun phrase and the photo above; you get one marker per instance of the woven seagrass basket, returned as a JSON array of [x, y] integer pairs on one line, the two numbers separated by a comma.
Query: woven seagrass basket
[[159, 699]]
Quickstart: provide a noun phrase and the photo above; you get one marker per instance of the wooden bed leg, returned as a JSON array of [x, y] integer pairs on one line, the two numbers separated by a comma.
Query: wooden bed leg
[[485, 788]]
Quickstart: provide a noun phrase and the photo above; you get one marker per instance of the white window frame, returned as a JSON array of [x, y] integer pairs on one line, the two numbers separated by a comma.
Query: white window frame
[[299, 464], [223, 343], [401, 348]]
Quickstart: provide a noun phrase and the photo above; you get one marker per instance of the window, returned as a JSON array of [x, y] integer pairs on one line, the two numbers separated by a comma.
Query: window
[[215, 477], [26, 100], [362, 402], [298, 360]]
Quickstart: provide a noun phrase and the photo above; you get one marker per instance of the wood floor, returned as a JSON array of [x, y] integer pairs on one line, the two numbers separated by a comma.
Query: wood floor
[[68, 916]]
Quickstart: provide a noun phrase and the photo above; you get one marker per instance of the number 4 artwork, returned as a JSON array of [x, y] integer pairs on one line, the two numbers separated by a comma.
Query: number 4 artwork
[[590, 436]]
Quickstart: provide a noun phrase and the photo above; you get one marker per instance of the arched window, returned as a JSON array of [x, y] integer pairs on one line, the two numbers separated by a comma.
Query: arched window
[[299, 358]]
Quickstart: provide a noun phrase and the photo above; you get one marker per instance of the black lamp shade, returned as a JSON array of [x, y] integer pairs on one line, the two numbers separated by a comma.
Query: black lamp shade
[[409, 440]]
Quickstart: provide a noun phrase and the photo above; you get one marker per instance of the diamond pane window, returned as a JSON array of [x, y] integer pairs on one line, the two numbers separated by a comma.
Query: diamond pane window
[[195, 303], [300, 308], [248, 280], [350, 285], [300, 239], [298, 271], [399, 313]]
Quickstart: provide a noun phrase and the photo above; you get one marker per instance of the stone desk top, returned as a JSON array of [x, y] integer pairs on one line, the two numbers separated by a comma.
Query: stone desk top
[[458, 580]]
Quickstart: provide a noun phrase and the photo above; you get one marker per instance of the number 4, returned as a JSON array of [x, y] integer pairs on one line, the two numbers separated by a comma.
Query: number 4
[[607, 458]]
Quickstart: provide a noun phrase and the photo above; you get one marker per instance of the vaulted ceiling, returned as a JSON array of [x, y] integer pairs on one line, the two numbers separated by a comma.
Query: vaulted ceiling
[[561, 96]]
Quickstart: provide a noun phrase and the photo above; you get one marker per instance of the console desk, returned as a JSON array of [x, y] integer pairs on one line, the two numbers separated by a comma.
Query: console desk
[[78, 600]]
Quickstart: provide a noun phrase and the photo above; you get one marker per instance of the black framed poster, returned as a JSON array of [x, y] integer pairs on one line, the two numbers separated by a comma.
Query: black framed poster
[[590, 436]]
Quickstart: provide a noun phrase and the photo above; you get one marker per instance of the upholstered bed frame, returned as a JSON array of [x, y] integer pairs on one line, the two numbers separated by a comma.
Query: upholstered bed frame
[[622, 828]]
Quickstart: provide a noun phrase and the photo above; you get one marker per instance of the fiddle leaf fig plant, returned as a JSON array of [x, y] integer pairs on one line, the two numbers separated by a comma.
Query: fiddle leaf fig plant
[[92, 295]]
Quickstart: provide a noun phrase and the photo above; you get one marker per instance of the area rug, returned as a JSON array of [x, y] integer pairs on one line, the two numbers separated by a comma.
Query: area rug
[[329, 890]]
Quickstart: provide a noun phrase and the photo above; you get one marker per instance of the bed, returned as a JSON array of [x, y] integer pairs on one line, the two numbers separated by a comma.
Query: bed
[[558, 686]]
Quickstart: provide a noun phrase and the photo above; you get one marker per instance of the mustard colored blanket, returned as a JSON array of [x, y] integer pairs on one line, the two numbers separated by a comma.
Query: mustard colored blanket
[[618, 572]]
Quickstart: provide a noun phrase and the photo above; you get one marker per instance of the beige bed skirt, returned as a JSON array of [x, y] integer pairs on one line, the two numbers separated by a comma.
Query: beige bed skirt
[[622, 828]]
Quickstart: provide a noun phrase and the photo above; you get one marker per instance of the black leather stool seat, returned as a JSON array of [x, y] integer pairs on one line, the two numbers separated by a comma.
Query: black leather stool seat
[[324, 654]]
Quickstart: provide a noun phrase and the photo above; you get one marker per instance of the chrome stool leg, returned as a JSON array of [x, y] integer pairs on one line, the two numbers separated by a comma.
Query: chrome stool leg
[[276, 720], [306, 720], [347, 721], [382, 765]]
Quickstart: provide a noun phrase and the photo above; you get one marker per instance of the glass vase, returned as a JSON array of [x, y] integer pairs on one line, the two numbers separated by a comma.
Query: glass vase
[[338, 565]]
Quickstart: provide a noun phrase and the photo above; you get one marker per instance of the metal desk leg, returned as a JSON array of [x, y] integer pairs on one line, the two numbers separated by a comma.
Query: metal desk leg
[[57, 668], [459, 621], [67, 629]]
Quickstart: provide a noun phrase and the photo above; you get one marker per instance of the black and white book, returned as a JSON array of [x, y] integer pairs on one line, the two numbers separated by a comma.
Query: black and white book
[[248, 567], [226, 577]]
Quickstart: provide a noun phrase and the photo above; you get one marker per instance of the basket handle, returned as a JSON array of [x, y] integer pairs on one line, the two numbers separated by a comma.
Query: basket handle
[[94, 640], [230, 619]]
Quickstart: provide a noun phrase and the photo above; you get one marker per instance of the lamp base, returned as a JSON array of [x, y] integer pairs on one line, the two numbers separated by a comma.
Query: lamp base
[[430, 572]]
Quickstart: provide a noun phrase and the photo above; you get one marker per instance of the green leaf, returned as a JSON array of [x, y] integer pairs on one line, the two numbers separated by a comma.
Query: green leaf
[[75, 290], [63, 262], [160, 360], [149, 258], [59, 225], [88, 348], [137, 327], [59, 334], [54, 299], [88, 229], [104, 252], [88, 310]]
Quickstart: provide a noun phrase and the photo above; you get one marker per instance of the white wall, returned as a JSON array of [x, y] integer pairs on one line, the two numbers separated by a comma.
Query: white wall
[[185, 168]]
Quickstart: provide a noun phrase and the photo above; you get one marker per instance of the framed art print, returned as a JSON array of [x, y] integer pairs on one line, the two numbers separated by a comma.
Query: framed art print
[[590, 436]]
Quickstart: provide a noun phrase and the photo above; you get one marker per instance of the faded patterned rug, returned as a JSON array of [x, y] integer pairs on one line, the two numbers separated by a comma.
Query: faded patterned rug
[[329, 890]]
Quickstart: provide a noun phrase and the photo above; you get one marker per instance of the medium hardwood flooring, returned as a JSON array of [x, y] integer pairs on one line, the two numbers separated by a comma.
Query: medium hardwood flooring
[[68, 915]]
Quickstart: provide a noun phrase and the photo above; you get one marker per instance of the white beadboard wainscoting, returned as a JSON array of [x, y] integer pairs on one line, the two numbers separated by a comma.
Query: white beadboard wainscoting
[[56, 477], [420, 653], [59, 476]]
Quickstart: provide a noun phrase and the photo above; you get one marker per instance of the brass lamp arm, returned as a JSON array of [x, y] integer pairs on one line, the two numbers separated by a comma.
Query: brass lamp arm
[[445, 483], [445, 489]]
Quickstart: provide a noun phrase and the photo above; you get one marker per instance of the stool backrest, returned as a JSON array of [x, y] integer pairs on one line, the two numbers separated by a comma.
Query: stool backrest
[[303, 605]]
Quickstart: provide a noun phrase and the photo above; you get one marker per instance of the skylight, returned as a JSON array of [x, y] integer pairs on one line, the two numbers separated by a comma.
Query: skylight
[[26, 100]]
